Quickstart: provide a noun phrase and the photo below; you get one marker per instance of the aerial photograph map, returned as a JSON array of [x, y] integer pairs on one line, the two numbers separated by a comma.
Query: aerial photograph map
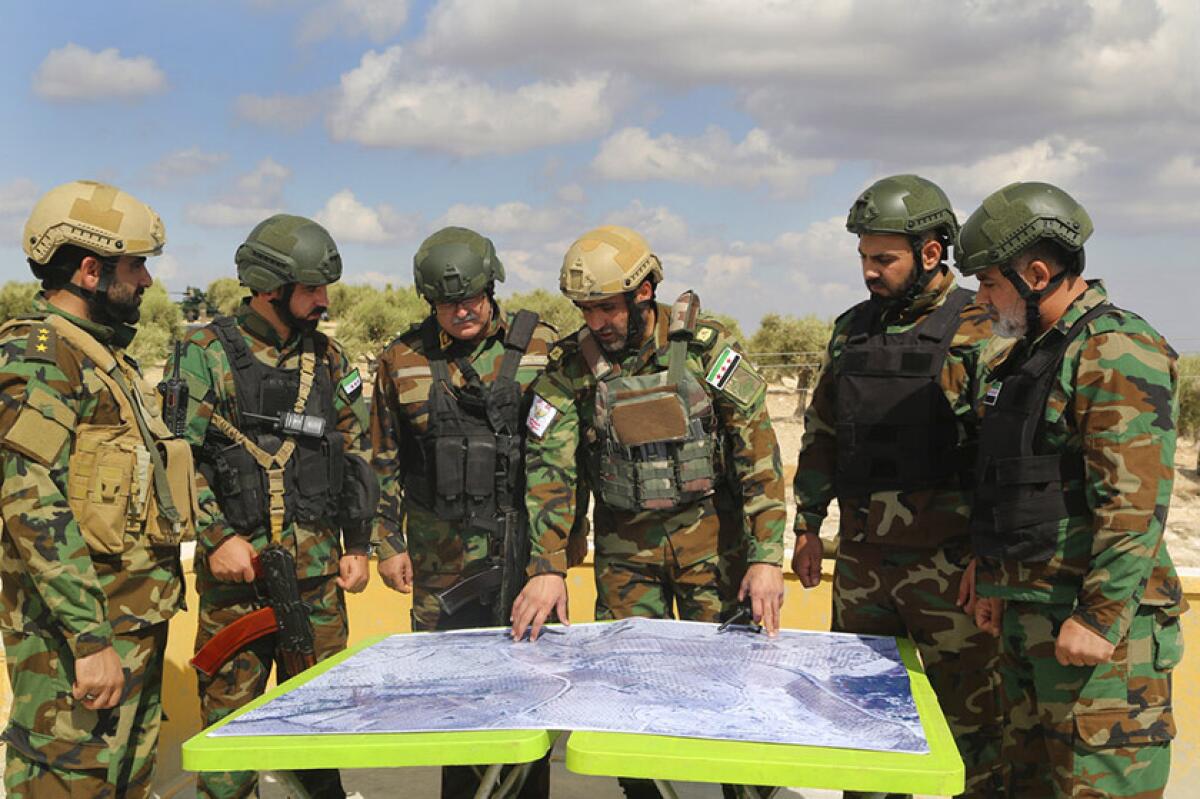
[[637, 676]]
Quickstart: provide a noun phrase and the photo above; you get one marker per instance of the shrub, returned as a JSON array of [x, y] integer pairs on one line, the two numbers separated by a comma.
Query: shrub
[[1189, 395], [552, 307], [161, 323], [224, 295], [15, 297]]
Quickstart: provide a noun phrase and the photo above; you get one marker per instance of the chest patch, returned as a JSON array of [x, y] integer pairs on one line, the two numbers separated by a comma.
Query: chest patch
[[992, 395], [541, 415]]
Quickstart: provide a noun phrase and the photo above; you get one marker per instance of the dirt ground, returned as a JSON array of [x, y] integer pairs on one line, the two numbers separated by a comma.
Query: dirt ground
[[1183, 522]]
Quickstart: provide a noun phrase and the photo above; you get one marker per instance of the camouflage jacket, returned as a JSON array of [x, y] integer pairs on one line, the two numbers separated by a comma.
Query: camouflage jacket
[[1113, 402], [554, 467], [210, 381], [54, 583], [923, 518], [399, 417]]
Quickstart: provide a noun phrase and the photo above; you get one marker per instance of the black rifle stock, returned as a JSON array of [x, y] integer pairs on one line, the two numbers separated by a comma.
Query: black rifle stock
[[294, 642]]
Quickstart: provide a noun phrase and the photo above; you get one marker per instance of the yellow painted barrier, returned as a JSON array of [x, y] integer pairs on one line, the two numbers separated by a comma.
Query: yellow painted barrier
[[380, 610]]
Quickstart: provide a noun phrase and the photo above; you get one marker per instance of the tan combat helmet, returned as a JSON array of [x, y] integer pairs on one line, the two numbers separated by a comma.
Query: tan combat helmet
[[95, 216], [607, 261]]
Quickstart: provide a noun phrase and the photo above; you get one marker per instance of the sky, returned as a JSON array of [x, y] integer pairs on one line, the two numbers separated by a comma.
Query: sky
[[733, 134]]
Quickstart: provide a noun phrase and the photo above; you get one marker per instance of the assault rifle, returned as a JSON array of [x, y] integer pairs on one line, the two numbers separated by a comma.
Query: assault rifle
[[174, 392], [498, 579], [285, 615]]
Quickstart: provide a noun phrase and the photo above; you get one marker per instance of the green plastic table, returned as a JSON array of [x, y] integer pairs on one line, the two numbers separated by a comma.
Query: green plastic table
[[493, 748], [662, 758]]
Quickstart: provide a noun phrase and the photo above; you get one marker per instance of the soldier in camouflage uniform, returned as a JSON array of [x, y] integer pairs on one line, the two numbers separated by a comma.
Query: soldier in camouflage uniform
[[890, 434], [1076, 461], [428, 539], [659, 416], [96, 498], [242, 374]]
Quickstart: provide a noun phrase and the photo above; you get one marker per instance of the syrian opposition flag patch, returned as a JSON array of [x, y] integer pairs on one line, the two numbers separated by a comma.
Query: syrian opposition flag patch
[[724, 367]]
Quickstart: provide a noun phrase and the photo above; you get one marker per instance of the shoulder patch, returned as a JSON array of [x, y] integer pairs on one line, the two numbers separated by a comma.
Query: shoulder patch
[[705, 335], [732, 375], [352, 385], [41, 344]]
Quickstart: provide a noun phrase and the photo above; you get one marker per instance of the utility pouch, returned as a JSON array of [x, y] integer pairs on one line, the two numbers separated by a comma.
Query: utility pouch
[[177, 459], [100, 485], [241, 489], [450, 456], [480, 479]]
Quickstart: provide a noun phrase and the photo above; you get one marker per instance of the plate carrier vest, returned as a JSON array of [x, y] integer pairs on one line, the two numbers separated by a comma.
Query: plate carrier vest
[[264, 475], [469, 466], [896, 430], [1021, 499], [657, 447]]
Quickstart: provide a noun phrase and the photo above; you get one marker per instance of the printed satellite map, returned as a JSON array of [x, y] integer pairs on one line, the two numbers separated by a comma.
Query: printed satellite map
[[637, 675]]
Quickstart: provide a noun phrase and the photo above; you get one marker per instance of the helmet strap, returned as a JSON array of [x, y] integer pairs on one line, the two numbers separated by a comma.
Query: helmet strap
[[1032, 297]]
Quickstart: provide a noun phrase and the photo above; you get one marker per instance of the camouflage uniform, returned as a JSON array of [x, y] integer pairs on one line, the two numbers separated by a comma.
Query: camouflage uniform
[[440, 551], [1102, 730], [70, 592], [901, 554], [648, 562], [316, 548]]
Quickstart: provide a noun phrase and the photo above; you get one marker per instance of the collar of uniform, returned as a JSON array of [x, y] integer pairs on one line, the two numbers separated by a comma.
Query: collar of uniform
[[454, 347], [117, 336], [1089, 299], [935, 293], [256, 325]]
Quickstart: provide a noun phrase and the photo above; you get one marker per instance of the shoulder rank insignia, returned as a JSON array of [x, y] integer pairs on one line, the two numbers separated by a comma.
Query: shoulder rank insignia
[[705, 335], [41, 343]]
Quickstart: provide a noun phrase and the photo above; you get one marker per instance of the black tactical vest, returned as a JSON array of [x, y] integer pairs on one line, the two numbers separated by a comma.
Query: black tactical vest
[[1023, 495], [895, 428], [313, 475], [468, 466]]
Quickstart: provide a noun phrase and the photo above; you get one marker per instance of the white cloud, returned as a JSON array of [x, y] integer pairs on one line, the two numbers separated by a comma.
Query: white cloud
[[165, 268], [712, 159], [1182, 172], [389, 100], [378, 20], [184, 164], [1055, 160], [519, 264], [255, 195], [571, 194], [663, 229], [512, 217], [77, 73], [279, 111], [349, 219]]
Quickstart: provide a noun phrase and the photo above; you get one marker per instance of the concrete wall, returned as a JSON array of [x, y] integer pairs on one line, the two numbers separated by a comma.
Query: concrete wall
[[380, 610]]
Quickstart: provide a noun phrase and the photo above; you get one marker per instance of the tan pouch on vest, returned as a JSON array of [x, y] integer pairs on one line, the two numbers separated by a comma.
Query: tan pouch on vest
[[102, 483]]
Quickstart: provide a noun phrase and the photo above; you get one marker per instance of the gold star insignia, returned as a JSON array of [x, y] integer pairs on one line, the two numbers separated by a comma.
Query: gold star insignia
[[41, 348]]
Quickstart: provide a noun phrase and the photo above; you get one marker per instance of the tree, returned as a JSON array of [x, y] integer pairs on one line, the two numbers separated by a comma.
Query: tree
[[1189, 395], [224, 295], [553, 308], [376, 317], [161, 323], [793, 343], [15, 297]]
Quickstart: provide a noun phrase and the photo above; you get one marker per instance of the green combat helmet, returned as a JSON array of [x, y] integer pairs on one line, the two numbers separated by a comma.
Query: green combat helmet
[[1011, 221], [1016, 217], [455, 263], [287, 249], [905, 204]]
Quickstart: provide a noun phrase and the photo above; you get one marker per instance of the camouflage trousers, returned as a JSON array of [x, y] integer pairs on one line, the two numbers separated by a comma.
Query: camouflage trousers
[[56, 746], [660, 591], [882, 590], [1088, 731], [244, 676]]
